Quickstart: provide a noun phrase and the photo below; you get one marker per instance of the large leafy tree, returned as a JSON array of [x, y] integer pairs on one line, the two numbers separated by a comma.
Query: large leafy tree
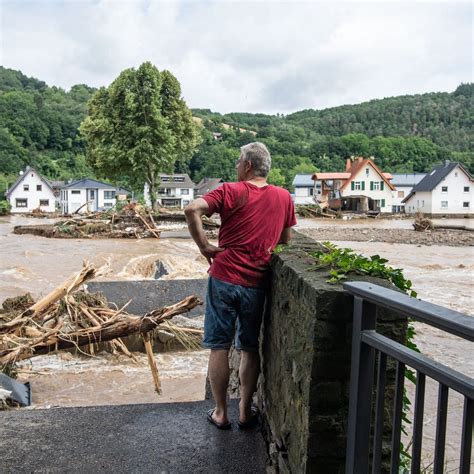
[[138, 127]]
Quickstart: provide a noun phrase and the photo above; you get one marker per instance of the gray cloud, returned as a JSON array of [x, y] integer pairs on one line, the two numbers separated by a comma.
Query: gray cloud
[[249, 56]]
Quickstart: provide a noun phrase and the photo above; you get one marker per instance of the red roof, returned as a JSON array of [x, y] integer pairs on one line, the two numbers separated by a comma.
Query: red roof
[[318, 176], [358, 164]]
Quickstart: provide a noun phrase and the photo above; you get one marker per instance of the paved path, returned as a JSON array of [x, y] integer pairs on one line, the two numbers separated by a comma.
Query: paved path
[[164, 438]]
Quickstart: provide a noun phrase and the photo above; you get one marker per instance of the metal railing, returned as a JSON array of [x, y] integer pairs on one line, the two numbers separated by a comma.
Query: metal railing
[[366, 343]]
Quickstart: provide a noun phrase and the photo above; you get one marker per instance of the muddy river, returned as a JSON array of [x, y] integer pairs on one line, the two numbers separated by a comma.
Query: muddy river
[[440, 274]]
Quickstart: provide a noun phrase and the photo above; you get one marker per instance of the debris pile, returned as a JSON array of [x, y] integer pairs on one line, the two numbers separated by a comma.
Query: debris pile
[[70, 317], [422, 223], [315, 210], [132, 221]]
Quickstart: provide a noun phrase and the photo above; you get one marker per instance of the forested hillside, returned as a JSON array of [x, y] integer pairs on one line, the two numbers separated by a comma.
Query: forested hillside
[[39, 126]]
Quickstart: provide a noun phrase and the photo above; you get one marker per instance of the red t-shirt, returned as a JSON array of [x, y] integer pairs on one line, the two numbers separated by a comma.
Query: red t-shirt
[[252, 220]]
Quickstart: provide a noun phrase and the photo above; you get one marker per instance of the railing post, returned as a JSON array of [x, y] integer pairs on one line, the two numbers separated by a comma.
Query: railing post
[[361, 385]]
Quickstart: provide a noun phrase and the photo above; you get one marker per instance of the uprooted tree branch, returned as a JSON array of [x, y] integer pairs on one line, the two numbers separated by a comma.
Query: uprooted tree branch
[[70, 317]]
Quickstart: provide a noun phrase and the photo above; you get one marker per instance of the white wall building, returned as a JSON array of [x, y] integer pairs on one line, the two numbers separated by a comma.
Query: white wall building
[[89, 195], [447, 190], [175, 190], [404, 184], [305, 189], [31, 191], [362, 187]]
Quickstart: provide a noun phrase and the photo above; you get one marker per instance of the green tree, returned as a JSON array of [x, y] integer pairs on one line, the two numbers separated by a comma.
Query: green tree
[[138, 127], [276, 177]]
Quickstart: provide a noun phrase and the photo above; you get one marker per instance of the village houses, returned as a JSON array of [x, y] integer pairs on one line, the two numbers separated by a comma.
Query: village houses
[[306, 190], [89, 195], [175, 190], [447, 190], [403, 183], [30, 192], [362, 187]]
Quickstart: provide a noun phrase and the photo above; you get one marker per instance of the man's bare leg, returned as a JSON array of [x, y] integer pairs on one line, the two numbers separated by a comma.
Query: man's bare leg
[[219, 378], [248, 373]]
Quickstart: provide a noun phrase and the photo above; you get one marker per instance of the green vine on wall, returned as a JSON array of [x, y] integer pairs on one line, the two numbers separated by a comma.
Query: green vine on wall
[[341, 262]]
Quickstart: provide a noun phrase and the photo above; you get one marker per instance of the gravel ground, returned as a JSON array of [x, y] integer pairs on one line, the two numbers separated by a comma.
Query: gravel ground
[[453, 238]]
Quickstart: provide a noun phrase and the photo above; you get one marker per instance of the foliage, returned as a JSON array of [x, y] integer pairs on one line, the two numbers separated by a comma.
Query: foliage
[[5, 208], [138, 127], [341, 262], [276, 177], [39, 126]]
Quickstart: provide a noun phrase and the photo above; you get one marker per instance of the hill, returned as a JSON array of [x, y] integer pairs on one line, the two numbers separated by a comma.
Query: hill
[[39, 126]]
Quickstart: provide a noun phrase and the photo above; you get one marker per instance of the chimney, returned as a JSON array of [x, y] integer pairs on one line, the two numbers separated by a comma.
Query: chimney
[[360, 158], [446, 163], [348, 164]]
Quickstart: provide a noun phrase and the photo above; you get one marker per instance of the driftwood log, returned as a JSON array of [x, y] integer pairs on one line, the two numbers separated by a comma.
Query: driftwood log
[[116, 327]]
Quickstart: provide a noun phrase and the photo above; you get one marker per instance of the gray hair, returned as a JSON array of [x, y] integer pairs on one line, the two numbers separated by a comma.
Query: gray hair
[[259, 157]]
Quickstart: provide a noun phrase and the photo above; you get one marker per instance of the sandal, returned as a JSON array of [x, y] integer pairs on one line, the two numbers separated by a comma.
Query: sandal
[[221, 426], [254, 420]]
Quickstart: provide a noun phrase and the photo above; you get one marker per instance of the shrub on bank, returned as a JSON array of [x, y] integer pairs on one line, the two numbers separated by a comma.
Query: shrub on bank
[[5, 208]]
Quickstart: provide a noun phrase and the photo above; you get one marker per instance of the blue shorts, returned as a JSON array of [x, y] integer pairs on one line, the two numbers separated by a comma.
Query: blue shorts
[[232, 311]]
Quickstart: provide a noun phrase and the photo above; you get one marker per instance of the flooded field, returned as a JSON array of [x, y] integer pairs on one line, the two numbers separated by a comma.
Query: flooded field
[[440, 274]]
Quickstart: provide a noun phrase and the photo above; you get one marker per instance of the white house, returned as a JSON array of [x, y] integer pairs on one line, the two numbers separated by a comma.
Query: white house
[[403, 183], [362, 187], [31, 191], [89, 195], [175, 190], [305, 189], [447, 190]]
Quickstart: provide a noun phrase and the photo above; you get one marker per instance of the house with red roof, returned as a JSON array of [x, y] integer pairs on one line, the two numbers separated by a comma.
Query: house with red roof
[[362, 187]]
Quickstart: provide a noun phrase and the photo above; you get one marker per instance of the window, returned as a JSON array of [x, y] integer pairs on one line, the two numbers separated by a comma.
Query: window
[[109, 194], [178, 179], [108, 204], [21, 202], [466, 189], [444, 204], [39, 187], [311, 191], [367, 172], [26, 187], [376, 185], [357, 185], [75, 191], [401, 194], [185, 191], [465, 204], [423, 203], [44, 202], [455, 174], [444, 189]]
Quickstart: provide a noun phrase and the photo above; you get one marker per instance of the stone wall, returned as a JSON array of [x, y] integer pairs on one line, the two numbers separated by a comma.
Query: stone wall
[[305, 357]]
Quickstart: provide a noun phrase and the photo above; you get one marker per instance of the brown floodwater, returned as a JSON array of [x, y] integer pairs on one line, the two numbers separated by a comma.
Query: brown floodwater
[[440, 274]]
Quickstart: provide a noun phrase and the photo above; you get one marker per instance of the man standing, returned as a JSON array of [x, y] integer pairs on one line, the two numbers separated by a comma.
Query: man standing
[[255, 217]]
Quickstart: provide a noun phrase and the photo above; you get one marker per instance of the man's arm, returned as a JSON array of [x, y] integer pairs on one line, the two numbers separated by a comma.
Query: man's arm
[[285, 236], [194, 213]]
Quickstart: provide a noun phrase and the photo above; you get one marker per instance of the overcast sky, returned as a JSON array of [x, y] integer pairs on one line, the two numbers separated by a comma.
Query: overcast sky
[[247, 56]]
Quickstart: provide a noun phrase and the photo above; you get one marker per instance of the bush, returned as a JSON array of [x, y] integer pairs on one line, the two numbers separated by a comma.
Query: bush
[[4, 208]]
